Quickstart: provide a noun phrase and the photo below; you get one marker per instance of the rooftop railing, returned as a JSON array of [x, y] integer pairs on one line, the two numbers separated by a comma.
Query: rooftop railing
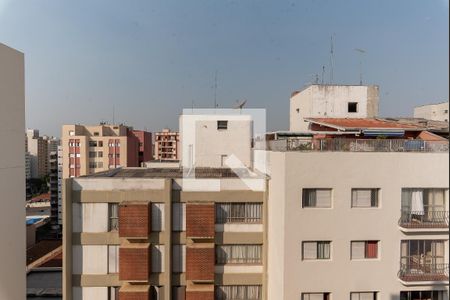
[[424, 219], [353, 145], [423, 272]]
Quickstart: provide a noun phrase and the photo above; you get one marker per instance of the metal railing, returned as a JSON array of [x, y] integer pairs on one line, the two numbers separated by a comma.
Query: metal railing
[[353, 145], [415, 271], [424, 219]]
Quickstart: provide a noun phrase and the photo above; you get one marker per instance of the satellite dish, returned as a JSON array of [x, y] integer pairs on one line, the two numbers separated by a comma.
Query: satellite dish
[[240, 104]]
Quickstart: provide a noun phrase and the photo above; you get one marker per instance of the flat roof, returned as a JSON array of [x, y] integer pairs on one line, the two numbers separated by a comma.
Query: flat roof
[[200, 173], [362, 123]]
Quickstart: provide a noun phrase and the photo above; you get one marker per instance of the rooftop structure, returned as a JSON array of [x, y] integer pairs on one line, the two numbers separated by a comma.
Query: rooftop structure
[[436, 112]]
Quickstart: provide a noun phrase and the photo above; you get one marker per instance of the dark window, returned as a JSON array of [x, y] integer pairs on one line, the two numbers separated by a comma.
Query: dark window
[[353, 107], [222, 125]]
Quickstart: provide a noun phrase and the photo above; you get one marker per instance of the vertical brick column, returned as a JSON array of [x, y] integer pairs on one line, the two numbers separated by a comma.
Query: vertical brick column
[[199, 295], [200, 220], [135, 219]]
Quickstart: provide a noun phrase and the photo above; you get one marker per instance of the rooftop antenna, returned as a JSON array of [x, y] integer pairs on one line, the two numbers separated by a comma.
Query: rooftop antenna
[[361, 53], [317, 79], [331, 59], [113, 115], [240, 105], [323, 74], [215, 90]]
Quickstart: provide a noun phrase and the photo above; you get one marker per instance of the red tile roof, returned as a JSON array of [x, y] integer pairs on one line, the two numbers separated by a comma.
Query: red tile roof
[[41, 197], [428, 136], [355, 123]]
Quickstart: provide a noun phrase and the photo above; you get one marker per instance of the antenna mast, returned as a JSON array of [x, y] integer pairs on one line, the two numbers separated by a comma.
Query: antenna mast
[[114, 115], [331, 60], [215, 90], [323, 74], [361, 53]]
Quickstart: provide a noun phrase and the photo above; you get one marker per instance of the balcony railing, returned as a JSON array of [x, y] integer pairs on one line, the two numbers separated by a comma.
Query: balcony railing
[[424, 219], [423, 272], [353, 145]]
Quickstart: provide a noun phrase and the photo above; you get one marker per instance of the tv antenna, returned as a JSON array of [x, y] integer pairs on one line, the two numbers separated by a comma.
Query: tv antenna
[[361, 53], [113, 114], [215, 90], [240, 104], [332, 59], [323, 74]]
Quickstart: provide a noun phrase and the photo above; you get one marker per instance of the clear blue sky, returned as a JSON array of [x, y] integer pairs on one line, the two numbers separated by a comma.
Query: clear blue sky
[[154, 58]]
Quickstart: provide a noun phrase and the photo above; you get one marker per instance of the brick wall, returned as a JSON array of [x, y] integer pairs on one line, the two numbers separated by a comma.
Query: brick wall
[[134, 296], [200, 220], [135, 219], [200, 263], [134, 264], [198, 296]]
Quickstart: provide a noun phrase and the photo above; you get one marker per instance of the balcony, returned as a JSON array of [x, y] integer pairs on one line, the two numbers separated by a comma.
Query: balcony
[[415, 272], [353, 145], [424, 220]]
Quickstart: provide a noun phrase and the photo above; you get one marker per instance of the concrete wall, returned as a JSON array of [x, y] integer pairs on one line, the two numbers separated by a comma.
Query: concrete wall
[[203, 145], [322, 101], [341, 224], [12, 174], [437, 112]]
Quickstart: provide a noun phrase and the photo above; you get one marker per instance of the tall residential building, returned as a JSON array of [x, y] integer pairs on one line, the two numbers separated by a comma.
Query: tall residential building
[[167, 145], [91, 149], [60, 186], [332, 101], [54, 188], [28, 175], [145, 146], [38, 149], [436, 112], [147, 233], [12, 174], [210, 140]]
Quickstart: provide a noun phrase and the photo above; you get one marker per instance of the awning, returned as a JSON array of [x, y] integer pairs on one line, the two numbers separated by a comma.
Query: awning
[[372, 132]]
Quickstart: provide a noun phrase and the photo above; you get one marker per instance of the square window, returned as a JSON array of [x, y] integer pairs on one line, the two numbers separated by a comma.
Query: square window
[[318, 198], [222, 125], [316, 250], [353, 107], [364, 249], [364, 198]]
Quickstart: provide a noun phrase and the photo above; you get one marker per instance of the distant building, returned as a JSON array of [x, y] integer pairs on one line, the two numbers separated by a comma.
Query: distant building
[[167, 145], [332, 101], [91, 149], [12, 174], [38, 149], [54, 188], [145, 146], [28, 174], [60, 178], [209, 140], [436, 112]]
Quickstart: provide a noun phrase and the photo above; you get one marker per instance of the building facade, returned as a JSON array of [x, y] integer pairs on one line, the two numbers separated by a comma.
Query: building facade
[[210, 140], [435, 112], [167, 145], [145, 146], [150, 234], [37, 146], [332, 101], [12, 174], [91, 149]]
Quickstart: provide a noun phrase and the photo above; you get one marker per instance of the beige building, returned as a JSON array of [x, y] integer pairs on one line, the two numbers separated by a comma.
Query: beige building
[[211, 140], [147, 233], [435, 112], [167, 145], [37, 146], [90, 149], [332, 101], [357, 225], [12, 174]]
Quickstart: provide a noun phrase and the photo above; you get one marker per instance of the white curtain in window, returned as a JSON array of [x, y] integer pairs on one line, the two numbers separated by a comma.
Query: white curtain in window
[[179, 216], [253, 212], [358, 250], [323, 250], [417, 202], [315, 296], [362, 198], [323, 198], [254, 292], [310, 250], [113, 259], [157, 217]]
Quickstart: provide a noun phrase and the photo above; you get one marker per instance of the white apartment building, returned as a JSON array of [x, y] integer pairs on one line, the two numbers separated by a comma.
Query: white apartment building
[[435, 112], [209, 140], [12, 174], [60, 178], [332, 101], [358, 225]]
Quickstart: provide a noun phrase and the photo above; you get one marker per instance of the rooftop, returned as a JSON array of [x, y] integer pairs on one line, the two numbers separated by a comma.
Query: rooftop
[[200, 173], [361, 124]]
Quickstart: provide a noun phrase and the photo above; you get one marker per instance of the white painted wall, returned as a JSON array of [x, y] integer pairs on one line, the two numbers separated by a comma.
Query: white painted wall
[[90, 259], [203, 145], [90, 293], [331, 101], [12, 174], [290, 224], [90, 217], [436, 112]]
